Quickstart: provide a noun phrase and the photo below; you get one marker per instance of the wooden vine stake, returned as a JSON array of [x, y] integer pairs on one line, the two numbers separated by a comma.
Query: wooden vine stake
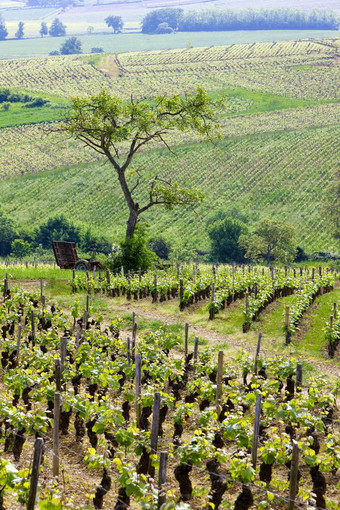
[[298, 383], [138, 379], [32, 327], [134, 333], [257, 352], [287, 325], [163, 464], [334, 310], [128, 350], [195, 349], [63, 342], [94, 272], [212, 310], [219, 382], [56, 422], [256, 430], [154, 430], [5, 286], [57, 374], [41, 289], [186, 337], [294, 466], [38, 449], [18, 342], [87, 303]]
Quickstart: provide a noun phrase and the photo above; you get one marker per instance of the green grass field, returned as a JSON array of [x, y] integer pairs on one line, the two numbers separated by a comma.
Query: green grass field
[[119, 43]]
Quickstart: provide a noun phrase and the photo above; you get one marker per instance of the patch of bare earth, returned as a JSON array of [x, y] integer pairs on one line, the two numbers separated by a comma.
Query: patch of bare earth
[[110, 66]]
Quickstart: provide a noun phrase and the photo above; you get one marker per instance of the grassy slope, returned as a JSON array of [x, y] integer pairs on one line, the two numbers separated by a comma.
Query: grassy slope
[[273, 175]]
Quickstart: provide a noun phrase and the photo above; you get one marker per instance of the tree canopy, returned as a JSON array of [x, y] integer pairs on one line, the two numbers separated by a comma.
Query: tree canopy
[[57, 29], [170, 16], [119, 129], [3, 29], [115, 22], [71, 46], [19, 34], [271, 240], [224, 236]]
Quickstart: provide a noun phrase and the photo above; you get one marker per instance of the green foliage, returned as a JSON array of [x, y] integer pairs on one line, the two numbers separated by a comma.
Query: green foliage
[[224, 236], [134, 253], [271, 240], [7, 234], [71, 46], [43, 29], [58, 228], [169, 16], [3, 29], [57, 28], [19, 34], [20, 248], [115, 22], [161, 247]]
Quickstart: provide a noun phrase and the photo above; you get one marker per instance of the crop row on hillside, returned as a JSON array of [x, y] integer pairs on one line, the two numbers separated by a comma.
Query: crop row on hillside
[[282, 175], [107, 423], [267, 67], [29, 149]]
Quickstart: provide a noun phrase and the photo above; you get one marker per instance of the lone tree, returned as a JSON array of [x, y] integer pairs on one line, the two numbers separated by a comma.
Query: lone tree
[[3, 29], [119, 129], [71, 46], [271, 240], [115, 22], [43, 29], [19, 34], [57, 29]]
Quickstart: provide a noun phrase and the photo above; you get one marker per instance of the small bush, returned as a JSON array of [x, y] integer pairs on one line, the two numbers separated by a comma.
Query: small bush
[[97, 50]]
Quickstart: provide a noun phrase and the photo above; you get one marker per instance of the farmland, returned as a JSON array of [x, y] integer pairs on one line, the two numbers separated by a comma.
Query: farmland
[[277, 155], [104, 450], [280, 133]]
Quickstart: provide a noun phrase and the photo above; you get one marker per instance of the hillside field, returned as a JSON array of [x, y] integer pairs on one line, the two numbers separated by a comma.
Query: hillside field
[[277, 158]]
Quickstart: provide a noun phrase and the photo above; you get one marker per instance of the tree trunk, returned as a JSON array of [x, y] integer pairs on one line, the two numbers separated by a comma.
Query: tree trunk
[[132, 221]]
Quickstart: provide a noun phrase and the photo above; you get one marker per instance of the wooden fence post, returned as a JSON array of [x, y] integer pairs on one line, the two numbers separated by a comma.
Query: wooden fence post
[[38, 448], [163, 464], [56, 421]]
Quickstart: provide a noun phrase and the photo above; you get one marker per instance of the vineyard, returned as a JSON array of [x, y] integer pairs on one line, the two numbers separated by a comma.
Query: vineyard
[[289, 168], [131, 415]]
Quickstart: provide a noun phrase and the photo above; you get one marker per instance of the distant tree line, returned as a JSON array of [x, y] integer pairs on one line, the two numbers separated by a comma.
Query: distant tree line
[[172, 19]]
